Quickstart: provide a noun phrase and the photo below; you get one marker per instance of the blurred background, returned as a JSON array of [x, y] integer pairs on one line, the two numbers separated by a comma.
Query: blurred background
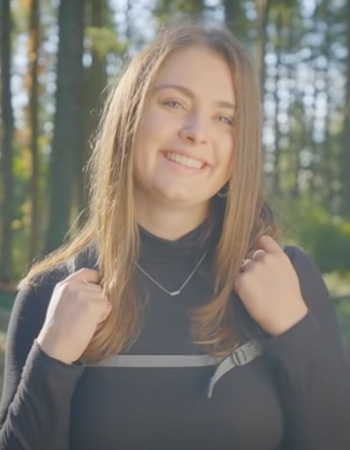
[[58, 56]]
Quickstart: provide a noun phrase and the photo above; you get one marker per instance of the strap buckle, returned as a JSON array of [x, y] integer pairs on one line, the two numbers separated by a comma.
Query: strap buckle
[[239, 357]]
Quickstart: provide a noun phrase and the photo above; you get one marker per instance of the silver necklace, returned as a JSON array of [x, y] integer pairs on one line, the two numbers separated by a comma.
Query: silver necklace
[[184, 284]]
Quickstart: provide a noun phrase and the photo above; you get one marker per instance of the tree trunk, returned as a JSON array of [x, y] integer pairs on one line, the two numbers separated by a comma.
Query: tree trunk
[[263, 7], [277, 158], [327, 155], [300, 137], [67, 137], [95, 80], [34, 43], [6, 270], [346, 127], [234, 17], [315, 147], [292, 146]]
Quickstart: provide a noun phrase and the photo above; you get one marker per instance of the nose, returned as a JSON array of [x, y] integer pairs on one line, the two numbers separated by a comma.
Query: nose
[[195, 129]]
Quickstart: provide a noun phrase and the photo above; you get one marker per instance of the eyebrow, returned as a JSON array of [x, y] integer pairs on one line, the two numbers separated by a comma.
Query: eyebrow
[[184, 90]]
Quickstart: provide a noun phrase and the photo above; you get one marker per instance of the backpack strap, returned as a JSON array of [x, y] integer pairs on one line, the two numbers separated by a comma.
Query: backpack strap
[[240, 357]]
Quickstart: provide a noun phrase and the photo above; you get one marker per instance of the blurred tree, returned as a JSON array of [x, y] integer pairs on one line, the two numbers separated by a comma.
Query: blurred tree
[[7, 215], [263, 11], [298, 132], [67, 137], [301, 47], [33, 52], [276, 95], [101, 41], [235, 18], [166, 10], [325, 186], [95, 80], [345, 163]]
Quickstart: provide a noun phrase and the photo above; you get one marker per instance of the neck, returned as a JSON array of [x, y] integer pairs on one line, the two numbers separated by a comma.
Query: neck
[[169, 223]]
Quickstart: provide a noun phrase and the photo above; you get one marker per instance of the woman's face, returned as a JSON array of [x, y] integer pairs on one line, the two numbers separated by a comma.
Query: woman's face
[[183, 152]]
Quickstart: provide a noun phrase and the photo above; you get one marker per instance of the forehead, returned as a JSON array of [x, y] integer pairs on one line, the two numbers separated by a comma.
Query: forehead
[[199, 69]]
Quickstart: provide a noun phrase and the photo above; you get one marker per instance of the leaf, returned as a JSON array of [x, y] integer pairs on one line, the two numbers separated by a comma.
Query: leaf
[[103, 41]]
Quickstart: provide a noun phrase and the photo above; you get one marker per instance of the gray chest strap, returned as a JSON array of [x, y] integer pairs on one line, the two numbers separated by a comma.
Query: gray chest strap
[[241, 356]]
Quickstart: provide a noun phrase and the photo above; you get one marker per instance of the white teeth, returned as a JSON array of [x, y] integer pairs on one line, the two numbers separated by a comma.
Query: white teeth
[[189, 162]]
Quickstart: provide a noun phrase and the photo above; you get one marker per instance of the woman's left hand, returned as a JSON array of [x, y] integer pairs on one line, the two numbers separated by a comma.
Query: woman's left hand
[[269, 288]]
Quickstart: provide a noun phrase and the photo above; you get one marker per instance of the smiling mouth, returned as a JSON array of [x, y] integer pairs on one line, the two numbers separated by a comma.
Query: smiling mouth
[[184, 160]]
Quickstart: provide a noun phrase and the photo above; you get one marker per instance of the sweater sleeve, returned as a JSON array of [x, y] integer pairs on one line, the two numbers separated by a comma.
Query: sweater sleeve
[[37, 390], [312, 370]]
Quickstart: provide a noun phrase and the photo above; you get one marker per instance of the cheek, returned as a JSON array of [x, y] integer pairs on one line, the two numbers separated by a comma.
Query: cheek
[[228, 161], [145, 131], [149, 139], [153, 127], [228, 155], [144, 138]]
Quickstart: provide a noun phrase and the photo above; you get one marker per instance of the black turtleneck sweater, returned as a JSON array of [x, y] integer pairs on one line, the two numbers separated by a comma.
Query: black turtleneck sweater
[[294, 396]]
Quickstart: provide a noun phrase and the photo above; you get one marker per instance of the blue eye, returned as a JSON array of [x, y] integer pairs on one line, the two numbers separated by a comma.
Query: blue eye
[[173, 104], [226, 120]]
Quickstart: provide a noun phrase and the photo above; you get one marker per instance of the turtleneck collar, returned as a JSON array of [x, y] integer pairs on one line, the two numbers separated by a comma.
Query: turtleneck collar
[[156, 249]]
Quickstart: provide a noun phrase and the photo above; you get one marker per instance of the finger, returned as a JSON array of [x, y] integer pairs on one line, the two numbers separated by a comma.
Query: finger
[[106, 312], [268, 244], [84, 274]]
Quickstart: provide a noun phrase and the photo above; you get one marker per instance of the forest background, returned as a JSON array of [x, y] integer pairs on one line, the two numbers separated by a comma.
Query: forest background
[[57, 57]]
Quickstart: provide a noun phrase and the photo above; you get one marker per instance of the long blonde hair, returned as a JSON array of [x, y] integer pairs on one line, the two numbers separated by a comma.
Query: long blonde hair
[[111, 226]]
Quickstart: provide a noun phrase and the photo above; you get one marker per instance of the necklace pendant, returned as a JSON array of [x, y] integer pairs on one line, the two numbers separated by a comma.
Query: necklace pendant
[[174, 293]]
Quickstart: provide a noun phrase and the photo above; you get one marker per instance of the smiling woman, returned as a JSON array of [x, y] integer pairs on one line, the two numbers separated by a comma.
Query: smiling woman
[[175, 319], [183, 153]]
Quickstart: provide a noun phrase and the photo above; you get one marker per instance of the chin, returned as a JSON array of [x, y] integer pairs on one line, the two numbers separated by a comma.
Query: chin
[[182, 197], [179, 198]]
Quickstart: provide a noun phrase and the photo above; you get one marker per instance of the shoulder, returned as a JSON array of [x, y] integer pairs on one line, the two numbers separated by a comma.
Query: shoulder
[[38, 289], [45, 279], [29, 311], [303, 264], [53, 275], [34, 294], [312, 284]]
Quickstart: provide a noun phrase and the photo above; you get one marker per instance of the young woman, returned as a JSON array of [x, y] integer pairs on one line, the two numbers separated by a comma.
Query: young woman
[[175, 319]]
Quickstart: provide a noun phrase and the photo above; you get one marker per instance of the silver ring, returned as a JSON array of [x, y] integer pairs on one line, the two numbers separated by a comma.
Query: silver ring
[[257, 252], [245, 262]]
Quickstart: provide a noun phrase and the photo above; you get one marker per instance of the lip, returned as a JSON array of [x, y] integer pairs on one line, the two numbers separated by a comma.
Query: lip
[[186, 154]]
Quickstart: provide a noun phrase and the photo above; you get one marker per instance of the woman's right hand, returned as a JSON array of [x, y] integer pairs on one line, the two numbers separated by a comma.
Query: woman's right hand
[[76, 308]]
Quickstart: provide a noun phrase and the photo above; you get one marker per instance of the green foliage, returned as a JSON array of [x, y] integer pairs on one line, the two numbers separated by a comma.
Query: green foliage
[[103, 41], [166, 10], [343, 314], [324, 236], [310, 164]]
